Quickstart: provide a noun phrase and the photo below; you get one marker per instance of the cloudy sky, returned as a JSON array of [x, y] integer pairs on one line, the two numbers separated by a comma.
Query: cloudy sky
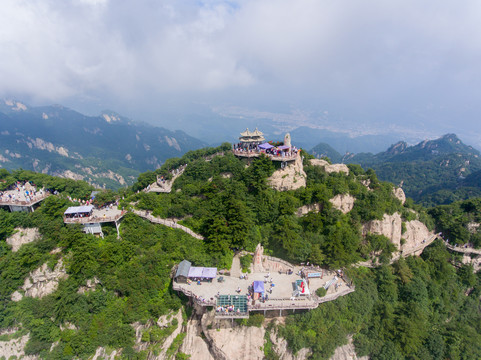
[[370, 65]]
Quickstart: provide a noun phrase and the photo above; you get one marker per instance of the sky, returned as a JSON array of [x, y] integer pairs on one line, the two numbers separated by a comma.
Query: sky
[[371, 66]]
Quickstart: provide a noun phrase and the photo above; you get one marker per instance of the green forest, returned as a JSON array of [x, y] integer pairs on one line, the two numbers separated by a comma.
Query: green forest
[[415, 308]]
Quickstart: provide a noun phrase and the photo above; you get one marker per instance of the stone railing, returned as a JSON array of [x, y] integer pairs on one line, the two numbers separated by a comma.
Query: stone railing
[[332, 297], [170, 223], [198, 300], [16, 202], [256, 153], [464, 250]]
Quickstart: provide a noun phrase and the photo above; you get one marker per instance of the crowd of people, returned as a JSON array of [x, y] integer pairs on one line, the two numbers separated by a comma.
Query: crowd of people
[[274, 151], [22, 192]]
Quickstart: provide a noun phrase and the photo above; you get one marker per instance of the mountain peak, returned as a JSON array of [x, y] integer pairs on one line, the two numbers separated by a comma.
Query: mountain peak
[[397, 148]]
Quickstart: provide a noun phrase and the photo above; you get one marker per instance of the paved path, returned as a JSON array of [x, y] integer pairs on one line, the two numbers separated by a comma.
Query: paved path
[[172, 224], [235, 269], [467, 250], [166, 186]]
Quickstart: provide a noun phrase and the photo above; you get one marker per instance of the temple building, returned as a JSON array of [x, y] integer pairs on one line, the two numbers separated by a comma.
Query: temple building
[[252, 144], [255, 137]]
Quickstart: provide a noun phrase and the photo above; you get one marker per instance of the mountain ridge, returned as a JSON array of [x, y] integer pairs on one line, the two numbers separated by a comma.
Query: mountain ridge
[[63, 142]]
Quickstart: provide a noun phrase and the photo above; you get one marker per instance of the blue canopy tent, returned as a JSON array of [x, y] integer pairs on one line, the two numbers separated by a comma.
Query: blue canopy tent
[[265, 146], [258, 287]]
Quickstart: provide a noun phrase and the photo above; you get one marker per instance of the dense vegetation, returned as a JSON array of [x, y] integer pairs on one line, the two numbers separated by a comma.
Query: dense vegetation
[[418, 308], [459, 222], [233, 207], [134, 273], [432, 172], [414, 308]]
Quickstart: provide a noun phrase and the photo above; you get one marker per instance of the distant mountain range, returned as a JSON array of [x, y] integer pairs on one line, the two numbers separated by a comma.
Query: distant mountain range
[[106, 150], [432, 172], [307, 138]]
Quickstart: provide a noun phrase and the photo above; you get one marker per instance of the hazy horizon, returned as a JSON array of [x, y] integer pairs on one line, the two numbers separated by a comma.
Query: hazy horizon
[[372, 67]]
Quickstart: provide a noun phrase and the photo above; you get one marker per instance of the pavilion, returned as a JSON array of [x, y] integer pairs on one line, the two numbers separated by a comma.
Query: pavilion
[[255, 137]]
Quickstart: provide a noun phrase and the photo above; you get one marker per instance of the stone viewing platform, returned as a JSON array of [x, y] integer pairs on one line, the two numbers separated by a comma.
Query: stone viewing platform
[[23, 197], [92, 218], [273, 284], [97, 216]]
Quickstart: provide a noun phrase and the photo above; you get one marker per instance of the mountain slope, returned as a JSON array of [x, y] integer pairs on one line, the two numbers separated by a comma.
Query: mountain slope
[[323, 149], [432, 172], [107, 150]]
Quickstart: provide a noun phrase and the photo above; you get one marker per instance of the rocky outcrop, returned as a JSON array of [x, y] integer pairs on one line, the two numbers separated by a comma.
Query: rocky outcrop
[[347, 352], [14, 348], [168, 341], [472, 259], [400, 195], [292, 177], [391, 226], [475, 261], [473, 227], [231, 341], [102, 354], [416, 233], [22, 236], [330, 168], [194, 345], [44, 281], [280, 347], [90, 285], [343, 202], [303, 210]]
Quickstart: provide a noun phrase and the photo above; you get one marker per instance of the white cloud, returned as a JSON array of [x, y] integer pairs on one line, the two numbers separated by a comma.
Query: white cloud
[[366, 58]]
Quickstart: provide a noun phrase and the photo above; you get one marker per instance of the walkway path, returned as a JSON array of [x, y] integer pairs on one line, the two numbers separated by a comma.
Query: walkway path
[[170, 223], [165, 186], [464, 250], [235, 269]]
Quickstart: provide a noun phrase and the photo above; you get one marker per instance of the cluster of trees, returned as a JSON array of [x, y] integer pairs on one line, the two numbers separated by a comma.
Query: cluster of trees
[[133, 274], [459, 222], [416, 308]]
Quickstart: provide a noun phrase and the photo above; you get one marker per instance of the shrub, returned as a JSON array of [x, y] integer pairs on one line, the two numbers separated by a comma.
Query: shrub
[[246, 261], [321, 292]]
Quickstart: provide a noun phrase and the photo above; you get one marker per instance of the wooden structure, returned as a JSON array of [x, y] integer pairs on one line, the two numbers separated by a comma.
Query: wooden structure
[[182, 272], [255, 137]]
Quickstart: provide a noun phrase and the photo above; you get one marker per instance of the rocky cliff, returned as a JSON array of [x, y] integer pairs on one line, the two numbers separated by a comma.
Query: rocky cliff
[[343, 202], [42, 281], [14, 347], [330, 168], [391, 226], [292, 177], [399, 194], [22, 236]]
